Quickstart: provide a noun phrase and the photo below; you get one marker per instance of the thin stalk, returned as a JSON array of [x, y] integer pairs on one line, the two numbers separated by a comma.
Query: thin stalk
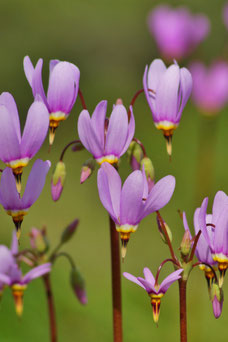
[[135, 97], [183, 310], [160, 267], [116, 283], [141, 145], [51, 308], [194, 246], [66, 147], [82, 99]]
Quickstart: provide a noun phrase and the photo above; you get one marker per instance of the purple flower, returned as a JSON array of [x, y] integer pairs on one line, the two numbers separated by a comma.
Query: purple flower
[[172, 87], [177, 32], [62, 89], [154, 290], [217, 238], [129, 204], [225, 15], [106, 139], [14, 205], [16, 151], [210, 86]]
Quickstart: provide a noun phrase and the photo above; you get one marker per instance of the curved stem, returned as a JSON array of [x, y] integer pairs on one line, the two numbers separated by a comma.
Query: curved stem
[[66, 255], [141, 145], [51, 308], [160, 267], [209, 266], [194, 245], [116, 283], [135, 97], [167, 238], [82, 99], [183, 310], [66, 147]]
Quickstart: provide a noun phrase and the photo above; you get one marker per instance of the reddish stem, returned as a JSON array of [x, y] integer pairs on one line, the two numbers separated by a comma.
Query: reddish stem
[[183, 310], [82, 99], [51, 308], [194, 245], [160, 267], [116, 283], [66, 147], [141, 145], [134, 99]]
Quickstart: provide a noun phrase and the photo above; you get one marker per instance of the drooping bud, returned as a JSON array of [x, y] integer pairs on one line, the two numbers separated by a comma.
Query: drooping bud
[[58, 180], [78, 285], [149, 170], [18, 294], [217, 299], [168, 230], [156, 303], [135, 155], [78, 147], [69, 231], [119, 102], [87, 169], [38, 240], [185, 245]]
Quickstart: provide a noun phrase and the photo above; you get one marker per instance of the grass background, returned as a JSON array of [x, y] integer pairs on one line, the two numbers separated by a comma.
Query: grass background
[[110, 43]]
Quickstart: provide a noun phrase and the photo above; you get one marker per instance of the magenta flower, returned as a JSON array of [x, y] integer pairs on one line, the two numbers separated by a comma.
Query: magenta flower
[[154, 290], [177, 32], [106, 139], [172, 87], [129, 204], [225, 15], [14, 205], [16, 151], [62, 89], [217, 238], [210, 86]]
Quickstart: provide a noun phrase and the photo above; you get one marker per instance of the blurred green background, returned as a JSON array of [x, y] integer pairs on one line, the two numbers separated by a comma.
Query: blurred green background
[[110, 43]]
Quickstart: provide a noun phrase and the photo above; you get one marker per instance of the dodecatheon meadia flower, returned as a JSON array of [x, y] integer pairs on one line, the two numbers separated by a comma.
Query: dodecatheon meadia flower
[[177, 32], [217, 238], [106, 139], [62, 89], [202, 252], [210, 86], [155, 291], [172, 87], [130, 203], [15, 205], [17, 150]]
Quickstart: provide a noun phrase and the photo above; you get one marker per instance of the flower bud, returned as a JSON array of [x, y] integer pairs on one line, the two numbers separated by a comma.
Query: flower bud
[[135, 155], [78, 286], [217, 298], [149, 170], [185, 245], [58, 180], [38, 240], [162, 233], [87, 169], [78, 147], [69, 231]]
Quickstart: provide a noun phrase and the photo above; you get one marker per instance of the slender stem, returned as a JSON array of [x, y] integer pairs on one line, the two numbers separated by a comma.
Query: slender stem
[[51, 308], [141, 145], [66, 147], [167, 237], [116, 284], [160, 267], [183, 310], [135, 97], [82, 99], [53, 254], [209, 266], [66, 255], [194, 245]]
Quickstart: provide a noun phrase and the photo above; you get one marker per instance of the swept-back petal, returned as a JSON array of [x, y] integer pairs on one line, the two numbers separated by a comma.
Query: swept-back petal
[[9, 197], [6, 259], [35, 130], [114, 185], [185, 223], [159, 195], [52, 64], [149, 276], [202, 221], [37, 272], [104, 192], [149, 97], [9, 143], [98, 121], [14, 243], [185, 89], [148, 286], [7, 100], [35, 183], [167, 94], [28, 69], [131, 132], [156, 69], [117, 131], [63, 87], [88, 136], [133, 279], [220, 200], [220, 244], [5, 279], [169, 280], [131, 202], [37, 83]]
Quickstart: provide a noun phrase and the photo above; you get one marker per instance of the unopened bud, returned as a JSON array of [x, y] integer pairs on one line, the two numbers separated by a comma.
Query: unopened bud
[[77, 146], [69, 231], [148, 167], [38, 240], [185, 245], [58, 180], [87, 170], [135, 155], [217, 299], [168, 230], [78, 286], [119, 102]]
